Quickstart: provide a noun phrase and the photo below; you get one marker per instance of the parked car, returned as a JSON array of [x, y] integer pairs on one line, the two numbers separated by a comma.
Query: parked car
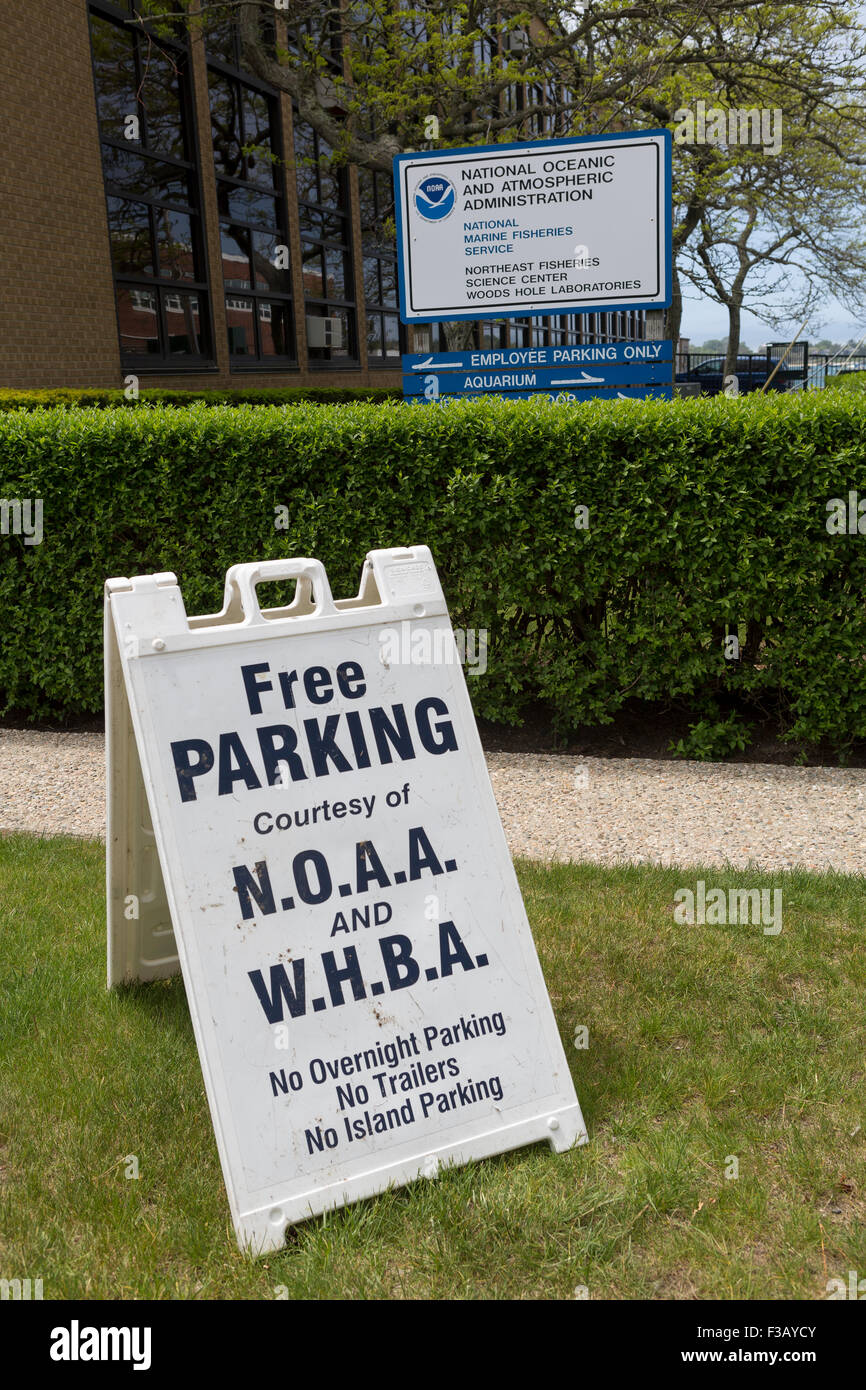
[[751, 373]]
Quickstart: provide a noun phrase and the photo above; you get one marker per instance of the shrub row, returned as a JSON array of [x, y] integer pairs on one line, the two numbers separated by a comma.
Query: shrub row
[[705, 518], [11, 399], [847, 381]]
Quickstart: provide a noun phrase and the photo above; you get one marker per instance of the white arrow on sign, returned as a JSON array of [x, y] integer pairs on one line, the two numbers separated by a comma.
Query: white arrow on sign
[[583, 380], [422, 366]]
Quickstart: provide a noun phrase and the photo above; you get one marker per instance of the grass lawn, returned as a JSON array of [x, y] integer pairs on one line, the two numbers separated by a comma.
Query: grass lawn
[[705, 1043]]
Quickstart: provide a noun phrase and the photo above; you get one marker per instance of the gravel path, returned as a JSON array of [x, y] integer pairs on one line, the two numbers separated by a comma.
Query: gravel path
[[607, 810], [643, 810]]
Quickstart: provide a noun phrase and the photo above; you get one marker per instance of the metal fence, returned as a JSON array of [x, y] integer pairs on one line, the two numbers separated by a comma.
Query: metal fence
[[824, 364], [812, 368]]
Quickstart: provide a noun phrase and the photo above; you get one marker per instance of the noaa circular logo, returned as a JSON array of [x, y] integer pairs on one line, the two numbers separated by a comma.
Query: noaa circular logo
[[434, 197]]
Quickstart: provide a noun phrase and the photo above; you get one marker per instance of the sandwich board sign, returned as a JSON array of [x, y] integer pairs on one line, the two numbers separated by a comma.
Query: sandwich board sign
[[300, 819], [546, 227]]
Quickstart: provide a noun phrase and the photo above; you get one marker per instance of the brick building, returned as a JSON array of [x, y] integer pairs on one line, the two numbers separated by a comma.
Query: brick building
[[140, 235]]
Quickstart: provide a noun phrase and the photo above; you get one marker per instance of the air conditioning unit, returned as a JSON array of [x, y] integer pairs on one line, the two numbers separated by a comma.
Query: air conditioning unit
[[324, 333]]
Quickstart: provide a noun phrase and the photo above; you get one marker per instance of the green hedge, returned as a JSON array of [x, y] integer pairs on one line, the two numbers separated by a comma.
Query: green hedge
[[846, 381], [702, 514], [11, 399]]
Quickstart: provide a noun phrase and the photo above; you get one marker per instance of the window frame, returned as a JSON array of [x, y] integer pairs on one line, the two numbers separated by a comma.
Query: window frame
[[164, 361], [239, 78], [352, 360], [378, 252]]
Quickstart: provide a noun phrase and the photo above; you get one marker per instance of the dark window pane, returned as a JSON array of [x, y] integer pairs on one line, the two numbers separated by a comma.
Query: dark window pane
[[371, 280], [346, 319], [276, 329], [335, 228], [221, 30], [338, 275], [225, 125], [327, 273], [257, 132], [139, 75], [375, 340], [309, 220], [325, 36], [247, 205], [384, 196], [389, 281], [367, 200], [183, 323], [219, 35], [241, 329], [236, 258], [139, 321], [157, 8], [377, 206], [307, 180], [175, 244], [131, 246], [306, 161], [160, 100], [314, 275], [114, 67], [269, 30], [269, 258], [331, 179], [325, 226], [392, 335], [135, 173]]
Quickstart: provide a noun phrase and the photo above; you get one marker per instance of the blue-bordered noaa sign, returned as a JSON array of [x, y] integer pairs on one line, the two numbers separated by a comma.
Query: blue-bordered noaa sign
[[434, 197], [548, 227]]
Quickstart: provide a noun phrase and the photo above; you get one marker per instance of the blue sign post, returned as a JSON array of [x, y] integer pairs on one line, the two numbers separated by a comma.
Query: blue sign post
[[609, 371], [565, 226]]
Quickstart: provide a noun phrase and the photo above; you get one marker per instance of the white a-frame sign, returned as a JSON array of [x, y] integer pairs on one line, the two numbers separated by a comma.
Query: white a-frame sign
[[300, 818]]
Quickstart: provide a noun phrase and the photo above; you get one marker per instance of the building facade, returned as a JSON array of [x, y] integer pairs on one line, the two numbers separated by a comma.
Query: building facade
[[167, 215]]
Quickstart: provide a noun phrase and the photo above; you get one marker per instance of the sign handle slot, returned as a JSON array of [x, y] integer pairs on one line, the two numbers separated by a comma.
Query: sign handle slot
[[313, 598]]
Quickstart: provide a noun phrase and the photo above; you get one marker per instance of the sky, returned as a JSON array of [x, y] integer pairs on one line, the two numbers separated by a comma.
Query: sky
[[704, 319]]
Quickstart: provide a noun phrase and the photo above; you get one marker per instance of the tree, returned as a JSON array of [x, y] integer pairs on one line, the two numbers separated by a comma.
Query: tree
[[784, 228], [720, 345], [381, 77], [769, 191], [487, 72]]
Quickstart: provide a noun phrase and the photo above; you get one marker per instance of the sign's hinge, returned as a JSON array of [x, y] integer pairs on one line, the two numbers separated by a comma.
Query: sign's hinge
[[141, 584]]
